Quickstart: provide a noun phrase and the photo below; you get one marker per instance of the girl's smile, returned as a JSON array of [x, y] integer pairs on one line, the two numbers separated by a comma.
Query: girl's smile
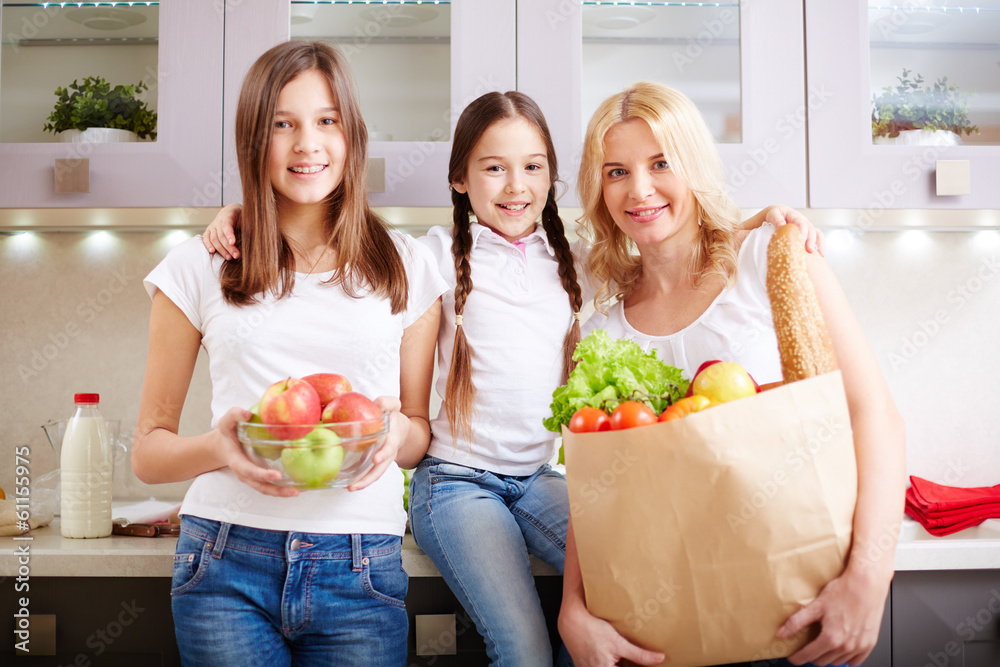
[[508, 178]]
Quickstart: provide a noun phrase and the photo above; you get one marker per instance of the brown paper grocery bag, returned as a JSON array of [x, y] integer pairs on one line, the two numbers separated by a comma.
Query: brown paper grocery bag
[[699, 537]]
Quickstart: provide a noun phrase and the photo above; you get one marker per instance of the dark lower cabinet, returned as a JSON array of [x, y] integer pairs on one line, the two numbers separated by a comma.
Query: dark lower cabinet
[[881, 656], [932, 619], [948, 618], [124, 622]]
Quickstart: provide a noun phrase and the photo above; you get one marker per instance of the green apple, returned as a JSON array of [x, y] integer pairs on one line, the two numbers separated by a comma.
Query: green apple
[[315, 459], [261, 433]]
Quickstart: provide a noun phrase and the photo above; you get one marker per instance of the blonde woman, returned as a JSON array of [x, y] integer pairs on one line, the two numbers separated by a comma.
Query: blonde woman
[[667, 245]]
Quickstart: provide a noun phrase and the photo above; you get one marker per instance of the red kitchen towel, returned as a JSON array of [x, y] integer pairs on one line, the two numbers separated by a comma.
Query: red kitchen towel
[[934, 497], [943, 510]]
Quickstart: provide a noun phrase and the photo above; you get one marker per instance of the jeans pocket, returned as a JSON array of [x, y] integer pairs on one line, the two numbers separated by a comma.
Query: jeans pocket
[[189, 568], [384, 578], [453, 470]]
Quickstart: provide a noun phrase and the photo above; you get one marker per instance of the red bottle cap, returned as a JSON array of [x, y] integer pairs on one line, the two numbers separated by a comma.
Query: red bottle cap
[[86, 398]]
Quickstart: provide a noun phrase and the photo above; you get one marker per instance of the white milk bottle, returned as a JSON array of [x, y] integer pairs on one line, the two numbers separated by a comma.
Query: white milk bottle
[[86, 472]]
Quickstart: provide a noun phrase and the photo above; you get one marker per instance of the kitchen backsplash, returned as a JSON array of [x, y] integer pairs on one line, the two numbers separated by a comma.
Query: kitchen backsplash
[[75, 318]]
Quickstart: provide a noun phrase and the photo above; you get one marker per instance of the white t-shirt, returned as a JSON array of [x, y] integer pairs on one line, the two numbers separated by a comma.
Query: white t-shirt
[[737, 326], [317, 328], [515, 320]]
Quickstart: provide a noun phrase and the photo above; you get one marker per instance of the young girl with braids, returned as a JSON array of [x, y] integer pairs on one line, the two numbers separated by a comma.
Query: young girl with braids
[[485, 497]]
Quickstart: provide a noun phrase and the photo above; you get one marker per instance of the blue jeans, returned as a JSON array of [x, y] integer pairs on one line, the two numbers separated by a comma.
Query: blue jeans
[[478, 528], [245, 596]]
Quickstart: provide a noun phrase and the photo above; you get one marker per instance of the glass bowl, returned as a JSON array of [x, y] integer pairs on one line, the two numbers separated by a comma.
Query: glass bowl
[[318, 456]]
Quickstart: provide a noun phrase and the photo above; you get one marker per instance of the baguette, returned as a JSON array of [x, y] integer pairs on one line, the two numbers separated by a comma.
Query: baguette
[[803, 339]]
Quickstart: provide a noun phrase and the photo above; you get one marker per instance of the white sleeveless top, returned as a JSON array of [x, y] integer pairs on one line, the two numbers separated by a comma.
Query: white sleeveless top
[[737, 326]]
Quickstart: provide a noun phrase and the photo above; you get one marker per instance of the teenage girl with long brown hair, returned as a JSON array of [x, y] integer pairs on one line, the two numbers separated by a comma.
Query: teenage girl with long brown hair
[[263, 574]]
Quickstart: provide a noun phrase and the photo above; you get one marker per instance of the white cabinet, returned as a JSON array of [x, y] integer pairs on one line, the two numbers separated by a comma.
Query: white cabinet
[[765, 160], [414, 172], [182, 168], [848, 44]]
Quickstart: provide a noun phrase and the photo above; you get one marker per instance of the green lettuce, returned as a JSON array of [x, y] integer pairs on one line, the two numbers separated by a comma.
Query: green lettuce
[[610, 371]]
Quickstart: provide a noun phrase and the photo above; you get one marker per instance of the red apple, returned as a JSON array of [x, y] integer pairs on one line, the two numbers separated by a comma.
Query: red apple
[[354, 407], [328, 385], [290, 401]]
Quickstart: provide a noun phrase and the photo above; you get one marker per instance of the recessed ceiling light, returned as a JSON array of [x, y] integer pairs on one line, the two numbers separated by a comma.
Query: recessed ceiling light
[[106, 18]]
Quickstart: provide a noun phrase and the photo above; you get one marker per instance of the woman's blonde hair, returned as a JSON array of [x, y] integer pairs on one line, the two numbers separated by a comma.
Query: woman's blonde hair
[[368, 259], [689, 148]]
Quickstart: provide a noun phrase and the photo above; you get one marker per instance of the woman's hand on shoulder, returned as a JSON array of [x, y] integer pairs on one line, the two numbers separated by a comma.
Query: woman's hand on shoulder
[[594, 642], [779, 215], [220, 235], [258, 477], [399, 427]]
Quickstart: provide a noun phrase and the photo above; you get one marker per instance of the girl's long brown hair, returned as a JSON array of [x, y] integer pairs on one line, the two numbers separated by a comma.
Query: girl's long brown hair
[[367, 257], [478, 117]]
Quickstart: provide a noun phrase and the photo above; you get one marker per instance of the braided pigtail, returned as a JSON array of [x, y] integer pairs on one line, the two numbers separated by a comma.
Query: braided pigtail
[[556, 234], [460, 390]]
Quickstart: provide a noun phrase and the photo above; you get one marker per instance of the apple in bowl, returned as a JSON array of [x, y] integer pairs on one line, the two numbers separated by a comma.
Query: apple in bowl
[[353, 416], [320, 459]]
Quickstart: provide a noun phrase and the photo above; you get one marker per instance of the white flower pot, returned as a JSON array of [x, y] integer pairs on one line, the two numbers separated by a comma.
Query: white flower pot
[[921, 138], [97, 135]]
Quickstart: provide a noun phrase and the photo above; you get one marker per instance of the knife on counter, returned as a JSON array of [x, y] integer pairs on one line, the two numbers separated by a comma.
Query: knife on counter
[[123, 527]]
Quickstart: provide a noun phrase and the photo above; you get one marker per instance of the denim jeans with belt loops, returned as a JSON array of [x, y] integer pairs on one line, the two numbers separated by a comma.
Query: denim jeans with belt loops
[[246, 596], [479, 527]]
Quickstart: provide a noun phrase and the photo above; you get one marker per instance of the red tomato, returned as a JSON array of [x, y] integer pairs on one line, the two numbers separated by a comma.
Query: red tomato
[[631, 414], [587, 420]]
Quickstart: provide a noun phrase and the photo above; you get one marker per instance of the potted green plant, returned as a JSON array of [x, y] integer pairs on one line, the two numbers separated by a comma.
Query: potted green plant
[[95, 103], [911, 113]]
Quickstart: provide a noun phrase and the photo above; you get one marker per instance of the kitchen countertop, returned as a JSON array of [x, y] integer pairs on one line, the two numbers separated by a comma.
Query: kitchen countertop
[[51, 555]]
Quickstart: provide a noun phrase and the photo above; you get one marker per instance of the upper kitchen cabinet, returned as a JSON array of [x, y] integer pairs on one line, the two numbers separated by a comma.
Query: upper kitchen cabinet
[[170, 50], [740, 62], [905, 104], [416, 63]]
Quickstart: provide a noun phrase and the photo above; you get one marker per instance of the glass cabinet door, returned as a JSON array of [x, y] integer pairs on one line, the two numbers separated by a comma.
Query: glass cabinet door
[[910, 113], [400, 55], [416, 63], [146, 75], [935, 73], [740, 62], [693, 47], [48, 46]]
